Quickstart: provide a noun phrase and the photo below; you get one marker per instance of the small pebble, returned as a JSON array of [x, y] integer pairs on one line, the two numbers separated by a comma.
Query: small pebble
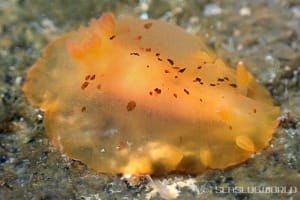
[[245, 11], [212, 9]]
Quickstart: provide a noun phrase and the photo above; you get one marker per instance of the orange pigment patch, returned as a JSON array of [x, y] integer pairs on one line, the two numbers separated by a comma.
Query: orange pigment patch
[[145, 97]]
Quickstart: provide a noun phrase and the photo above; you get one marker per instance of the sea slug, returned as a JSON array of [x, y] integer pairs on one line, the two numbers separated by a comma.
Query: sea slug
[[138, 96]]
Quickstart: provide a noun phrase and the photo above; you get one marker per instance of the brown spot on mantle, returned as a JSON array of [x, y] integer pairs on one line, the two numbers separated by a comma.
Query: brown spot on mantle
[[147, 25], [131, 105]]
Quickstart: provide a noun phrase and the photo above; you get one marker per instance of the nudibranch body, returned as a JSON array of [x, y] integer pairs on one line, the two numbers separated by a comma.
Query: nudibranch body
[[145, 97]]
